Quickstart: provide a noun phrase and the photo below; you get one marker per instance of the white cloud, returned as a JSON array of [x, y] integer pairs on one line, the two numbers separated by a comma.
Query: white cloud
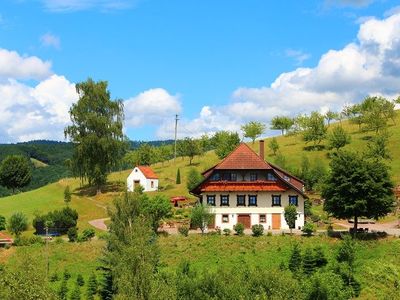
[[13, 65], [39, 112], [77, 5], [50, 40], [298, 55], [369, 66], [151, 107]]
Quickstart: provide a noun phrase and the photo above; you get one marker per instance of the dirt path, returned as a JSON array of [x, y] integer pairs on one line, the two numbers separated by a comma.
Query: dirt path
[[99, 224], [390, 227]]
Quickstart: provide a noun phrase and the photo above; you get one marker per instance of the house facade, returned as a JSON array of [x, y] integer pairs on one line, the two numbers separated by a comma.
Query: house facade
[[244, 188], [144, 176]]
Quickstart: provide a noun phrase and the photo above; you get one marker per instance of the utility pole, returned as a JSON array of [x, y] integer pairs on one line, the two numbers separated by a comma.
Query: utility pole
[[176, 132]]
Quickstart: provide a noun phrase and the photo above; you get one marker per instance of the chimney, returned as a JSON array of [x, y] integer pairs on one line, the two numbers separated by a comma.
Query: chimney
[[262, 149]]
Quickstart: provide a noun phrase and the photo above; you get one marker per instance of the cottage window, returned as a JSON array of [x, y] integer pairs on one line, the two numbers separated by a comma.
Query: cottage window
[[276, 200], [216, 177], [226, 176], [294, 200], [233, 176], [152, 184], [252, 200], [225, 218], [271, 177], [241, 200], [211, 200], [224, 200], [263, 218], [253, 176]]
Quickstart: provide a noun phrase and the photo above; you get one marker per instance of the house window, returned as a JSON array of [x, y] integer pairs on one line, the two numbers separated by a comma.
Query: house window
[[263, 218], [226, 176], [152, 184], [294, 200], [241, 200], [287, 178], [271, 177], [211, 200], [224, 200], [215, 177], [253, 176], [276, 200], [233, 177], [252, 200], [225, 218]]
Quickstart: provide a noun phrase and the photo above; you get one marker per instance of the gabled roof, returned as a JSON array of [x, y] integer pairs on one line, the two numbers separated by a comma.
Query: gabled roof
[[148, 172], [243, 158], [243, 186], [5, 239]]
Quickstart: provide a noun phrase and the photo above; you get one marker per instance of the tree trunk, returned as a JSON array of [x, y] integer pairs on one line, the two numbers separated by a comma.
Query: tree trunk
[[355, 226]]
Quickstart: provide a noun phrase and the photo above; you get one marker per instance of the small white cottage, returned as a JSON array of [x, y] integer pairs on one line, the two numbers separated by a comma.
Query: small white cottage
[[144, 176]]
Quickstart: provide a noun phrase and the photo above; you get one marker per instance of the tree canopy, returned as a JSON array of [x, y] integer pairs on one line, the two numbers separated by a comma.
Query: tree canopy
[[282, 123], [338, 138], [96, 132], [315, 130], [15, 172], [225, 142], [357, 187], [253, 130]]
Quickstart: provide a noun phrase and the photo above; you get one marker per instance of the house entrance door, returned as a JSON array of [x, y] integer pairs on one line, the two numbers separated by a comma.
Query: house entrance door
[[245, 220], [276, 221]]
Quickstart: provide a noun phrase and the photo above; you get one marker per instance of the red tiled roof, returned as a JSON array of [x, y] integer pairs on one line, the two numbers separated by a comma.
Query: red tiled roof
[[148, 172], [5, 238], [243, 158], [244, 186]]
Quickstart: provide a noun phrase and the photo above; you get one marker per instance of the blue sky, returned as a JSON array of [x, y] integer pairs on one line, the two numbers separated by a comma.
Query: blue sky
[[216, 63]]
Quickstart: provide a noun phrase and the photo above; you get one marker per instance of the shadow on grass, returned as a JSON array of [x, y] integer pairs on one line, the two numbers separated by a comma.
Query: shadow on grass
[[109, 187], [363, 236], [314, 148]]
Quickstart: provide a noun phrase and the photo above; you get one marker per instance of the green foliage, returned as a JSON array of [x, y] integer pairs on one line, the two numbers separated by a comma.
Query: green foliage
[[66, 275], [72, 234], [290, 215], [338, 138], [96, 132], [201, 217], [347, 251], [193, 179], [91, 289], [327, 285], [87, 234], [27, 241], [239, 229], [156, 208], [67, 195], [2, 223], [54, 277], [308, 262], [63, 290], [76, 293], [17, 223], [357, 187], [257, 230], [315, 129], [24, 279], [79, 280], [295, 260], [273, 145], [183, 230], [225, 142], [15, 172], [227, 231], [308, 229], [178, 176], [61, 221], [252, 130], [280, 160], [377, 148], [282, 123], [190, 147], [330, 115], [320, 259]]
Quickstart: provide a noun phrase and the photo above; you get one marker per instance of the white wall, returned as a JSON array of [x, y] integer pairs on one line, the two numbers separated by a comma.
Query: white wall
[[136, 174]]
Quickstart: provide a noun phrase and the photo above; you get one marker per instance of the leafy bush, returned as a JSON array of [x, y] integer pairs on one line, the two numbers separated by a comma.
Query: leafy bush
[[308, 229], [27, 241], [239, 228], [72, 234], [103, 235], [61, 221], [258, 230], [315, 218], [2, 223], [54, 277], [269, 233], [87, 235], [79, 280], [227, 231], [17, 223], [183, 230]]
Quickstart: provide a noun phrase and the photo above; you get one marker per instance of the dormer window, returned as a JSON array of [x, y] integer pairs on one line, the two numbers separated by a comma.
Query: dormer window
[[271, 177], [253, 176], [233, 176], [287, 178], [216, 177]]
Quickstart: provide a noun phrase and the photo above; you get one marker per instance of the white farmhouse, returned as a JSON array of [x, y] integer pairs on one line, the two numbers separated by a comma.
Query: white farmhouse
[[144, 176]]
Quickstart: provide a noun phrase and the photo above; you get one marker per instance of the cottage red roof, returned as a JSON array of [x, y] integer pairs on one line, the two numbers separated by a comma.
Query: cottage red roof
[[148, 172], [242, 186], [5, 239], [243, 158]]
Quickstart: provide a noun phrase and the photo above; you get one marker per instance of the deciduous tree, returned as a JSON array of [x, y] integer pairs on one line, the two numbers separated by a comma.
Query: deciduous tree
[[15, 172], [156, 208], [17, 223], [338, 138], [96, 132], [252, 130], [290, 215], [273, 145], [193, 178], [357, 187], [201, 217], [315, 130], [282, 123], [225, 142]]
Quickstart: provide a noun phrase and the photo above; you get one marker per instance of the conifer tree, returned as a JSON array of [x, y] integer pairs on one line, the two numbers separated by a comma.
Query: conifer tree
[[308, 262], [320, 259], [178, 177], [91, 287], [76, 293], [295, 259], [79, 280], [63, 291]]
